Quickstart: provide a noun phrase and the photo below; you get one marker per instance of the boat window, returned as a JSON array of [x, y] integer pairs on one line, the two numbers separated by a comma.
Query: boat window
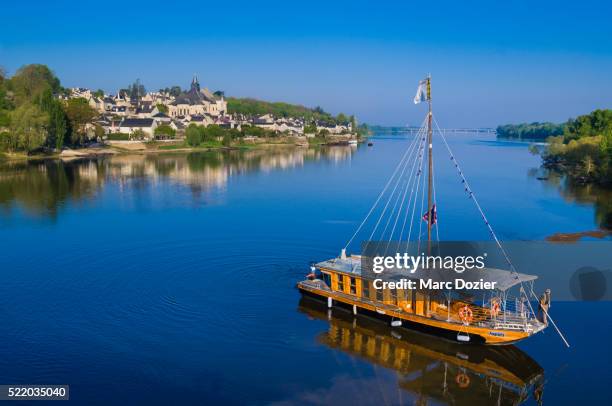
[[393, 296], [353, 288], [400, 295], [340, 282], [379, 295], [365, 289], [327, 279]]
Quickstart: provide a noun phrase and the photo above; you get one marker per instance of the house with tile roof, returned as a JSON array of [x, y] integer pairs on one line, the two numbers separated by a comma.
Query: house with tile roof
[[131, 125]]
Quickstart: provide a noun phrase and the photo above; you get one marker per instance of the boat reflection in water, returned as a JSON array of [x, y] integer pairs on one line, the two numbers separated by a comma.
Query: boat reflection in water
[[432, 369]]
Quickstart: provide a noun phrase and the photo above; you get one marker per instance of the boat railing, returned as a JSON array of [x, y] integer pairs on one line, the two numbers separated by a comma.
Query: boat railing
[[510, 319], [316, 283]]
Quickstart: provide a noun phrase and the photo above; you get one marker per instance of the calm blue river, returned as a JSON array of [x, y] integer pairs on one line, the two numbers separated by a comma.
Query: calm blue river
[[171, 278]]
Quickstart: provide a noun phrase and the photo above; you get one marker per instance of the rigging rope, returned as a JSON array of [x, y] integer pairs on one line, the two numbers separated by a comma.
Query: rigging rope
[[433, 182], [389, 201], [413, 184], [382, 236], [409, 181], [422, 204], [418, 186], [492, 232], [382, 192]]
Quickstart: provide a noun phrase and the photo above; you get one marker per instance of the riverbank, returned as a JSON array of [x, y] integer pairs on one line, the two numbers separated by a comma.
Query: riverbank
[[153, 147]]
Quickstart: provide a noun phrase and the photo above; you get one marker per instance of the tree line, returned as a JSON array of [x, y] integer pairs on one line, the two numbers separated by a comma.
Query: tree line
[[584, 149], [253, 107], [196, 135], [529, 131]]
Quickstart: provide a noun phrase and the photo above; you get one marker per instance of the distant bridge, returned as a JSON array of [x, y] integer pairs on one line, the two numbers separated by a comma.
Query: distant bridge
[[414, 130]]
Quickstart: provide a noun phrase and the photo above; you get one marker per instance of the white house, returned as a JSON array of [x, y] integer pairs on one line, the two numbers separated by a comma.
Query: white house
[[146, 125], [266, 121]]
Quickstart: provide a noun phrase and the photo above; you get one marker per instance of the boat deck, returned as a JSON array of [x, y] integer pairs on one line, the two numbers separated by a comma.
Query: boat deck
[[508, 324]]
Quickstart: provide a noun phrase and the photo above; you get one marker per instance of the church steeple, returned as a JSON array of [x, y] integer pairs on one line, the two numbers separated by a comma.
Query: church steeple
[[195, 85]]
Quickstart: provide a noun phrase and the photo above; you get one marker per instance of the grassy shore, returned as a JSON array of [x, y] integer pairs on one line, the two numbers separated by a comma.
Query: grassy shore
[[118, 147]]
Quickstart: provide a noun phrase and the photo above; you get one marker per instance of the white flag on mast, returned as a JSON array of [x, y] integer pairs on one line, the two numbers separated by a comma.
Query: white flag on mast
[[421, 94]]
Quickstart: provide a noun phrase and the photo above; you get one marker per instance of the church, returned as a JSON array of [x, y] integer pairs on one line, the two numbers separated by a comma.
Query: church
[[198, 102]]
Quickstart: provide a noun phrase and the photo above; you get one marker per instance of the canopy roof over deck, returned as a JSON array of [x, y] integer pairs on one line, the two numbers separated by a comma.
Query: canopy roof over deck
[[352, 265]]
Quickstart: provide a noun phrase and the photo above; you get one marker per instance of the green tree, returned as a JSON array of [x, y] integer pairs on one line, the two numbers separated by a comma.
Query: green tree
[[31, 81], [99, 93], [212, 132], [193, 135], [79, 114], [57, 127], [99, 132], [253, 131], [310, 128], [5, 118], [138, 135], [5, 103], [227, 139], [136, 89], [596, 123], [173, 91], [362, 130], [5, 142], [342, 119], [253, 107], [323, 133], [165, 131], [28, 128], [162, 108]]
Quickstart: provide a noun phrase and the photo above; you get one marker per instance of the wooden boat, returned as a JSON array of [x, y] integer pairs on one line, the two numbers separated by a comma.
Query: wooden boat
[[341, 283], [500, 319], [431, 368]]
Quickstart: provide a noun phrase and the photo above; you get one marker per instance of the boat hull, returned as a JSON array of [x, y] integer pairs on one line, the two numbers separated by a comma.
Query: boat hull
[[440, 328]]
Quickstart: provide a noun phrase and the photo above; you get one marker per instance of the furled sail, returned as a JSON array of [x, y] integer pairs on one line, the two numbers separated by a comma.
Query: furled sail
[[421, 94]]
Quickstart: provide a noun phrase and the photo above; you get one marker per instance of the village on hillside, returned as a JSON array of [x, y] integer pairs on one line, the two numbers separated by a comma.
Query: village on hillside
[[140, 117]]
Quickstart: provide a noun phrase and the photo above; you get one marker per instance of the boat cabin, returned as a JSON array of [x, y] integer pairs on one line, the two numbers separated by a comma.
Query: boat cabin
[[341, 281]]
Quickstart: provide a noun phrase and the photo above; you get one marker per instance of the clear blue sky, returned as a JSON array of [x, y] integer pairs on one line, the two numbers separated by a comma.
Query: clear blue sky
[[492, 61]]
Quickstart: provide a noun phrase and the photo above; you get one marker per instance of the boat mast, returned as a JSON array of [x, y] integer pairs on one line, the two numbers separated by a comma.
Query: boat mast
[[430, 172]]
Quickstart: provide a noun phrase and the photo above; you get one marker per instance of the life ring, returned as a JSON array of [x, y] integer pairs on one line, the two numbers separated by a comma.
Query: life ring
[[462, 380], [495, 308], [465, 314]]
